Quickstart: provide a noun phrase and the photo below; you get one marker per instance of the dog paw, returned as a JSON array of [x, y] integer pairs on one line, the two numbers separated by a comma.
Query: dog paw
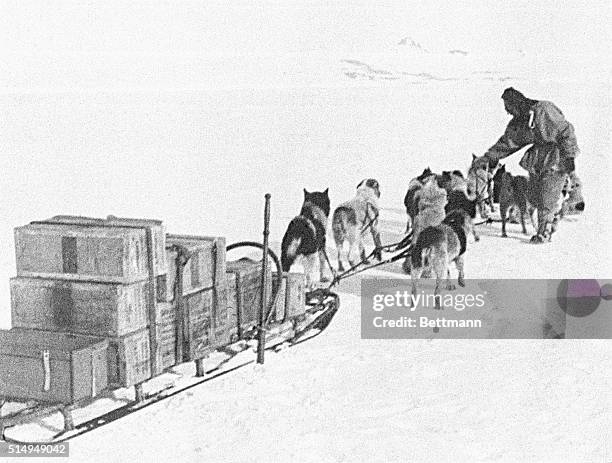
[[451, 287]]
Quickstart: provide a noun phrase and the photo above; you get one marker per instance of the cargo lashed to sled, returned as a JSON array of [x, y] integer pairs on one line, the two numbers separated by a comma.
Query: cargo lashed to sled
[[199, 292], [290, 302], [155, 227], [129, 330], [104, 309], [96, 277], [51, 367], [244, 280], [148, 330], [72, 252]]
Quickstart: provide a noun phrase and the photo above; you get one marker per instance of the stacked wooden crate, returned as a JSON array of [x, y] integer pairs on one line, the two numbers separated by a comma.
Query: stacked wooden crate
[[244, 284], [290, 302], [95, 277], [197, 293]]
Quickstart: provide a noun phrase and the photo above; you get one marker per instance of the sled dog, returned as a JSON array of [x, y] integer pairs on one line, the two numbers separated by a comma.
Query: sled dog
[[431, 200], [458, 197], [514, 195], [411, 200], [305, 236], [438, 246], [352, 219], [453, 181]]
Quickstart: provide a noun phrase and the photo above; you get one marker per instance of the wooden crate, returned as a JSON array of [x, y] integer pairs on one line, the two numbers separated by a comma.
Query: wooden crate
[[279, 307], [102, 309], [232, 307], [291, 301], [129, 356], [158, 232], [204, 327], [129, 359], [158, 236], [244, 294], [166, 337], [205, 267], [51, 367], [73, 252], [199, 324], [295, 299], [221, 319]]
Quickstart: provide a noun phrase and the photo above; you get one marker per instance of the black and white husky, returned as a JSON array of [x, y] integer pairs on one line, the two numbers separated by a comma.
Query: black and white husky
[[305, 236]]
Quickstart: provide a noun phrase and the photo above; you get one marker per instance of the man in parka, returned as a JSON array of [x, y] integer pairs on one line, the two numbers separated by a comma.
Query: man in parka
[[548, 161]]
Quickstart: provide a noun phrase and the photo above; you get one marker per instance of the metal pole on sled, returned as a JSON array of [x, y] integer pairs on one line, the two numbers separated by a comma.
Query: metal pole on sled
[[261, 335]]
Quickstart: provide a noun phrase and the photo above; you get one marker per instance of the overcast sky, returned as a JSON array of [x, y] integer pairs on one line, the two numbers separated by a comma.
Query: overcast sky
[[116, 44]]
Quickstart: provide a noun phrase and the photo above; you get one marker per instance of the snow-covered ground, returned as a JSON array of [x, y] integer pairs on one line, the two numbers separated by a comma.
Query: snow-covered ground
[[191, 112]]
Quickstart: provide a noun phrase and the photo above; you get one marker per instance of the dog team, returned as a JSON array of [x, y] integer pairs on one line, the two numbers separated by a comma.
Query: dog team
[[441, 208], [440, 213]]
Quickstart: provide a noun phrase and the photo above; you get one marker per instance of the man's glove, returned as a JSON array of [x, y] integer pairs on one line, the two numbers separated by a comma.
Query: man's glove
[[378, 254], [568, 165]]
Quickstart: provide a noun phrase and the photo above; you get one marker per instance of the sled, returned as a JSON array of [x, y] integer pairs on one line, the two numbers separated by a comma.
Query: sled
[[31, 421]]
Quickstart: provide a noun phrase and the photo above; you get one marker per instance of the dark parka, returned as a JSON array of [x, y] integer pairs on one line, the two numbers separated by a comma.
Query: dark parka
[[544, 125]]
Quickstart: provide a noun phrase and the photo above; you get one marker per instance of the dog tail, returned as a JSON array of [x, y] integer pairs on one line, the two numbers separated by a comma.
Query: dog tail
[[289, 253], [426, 241], [292, 241], [342, 216]]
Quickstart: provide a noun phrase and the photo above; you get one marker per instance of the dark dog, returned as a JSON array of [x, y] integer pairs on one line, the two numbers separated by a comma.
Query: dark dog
[[453, 181], [458, 198], [497, 183], [352, 219], [305, 236], [437, 247], [514, 193], [458, 201]]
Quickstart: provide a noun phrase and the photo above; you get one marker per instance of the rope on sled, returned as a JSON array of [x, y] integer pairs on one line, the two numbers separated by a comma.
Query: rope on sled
[[403, 245], [487, 221]]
